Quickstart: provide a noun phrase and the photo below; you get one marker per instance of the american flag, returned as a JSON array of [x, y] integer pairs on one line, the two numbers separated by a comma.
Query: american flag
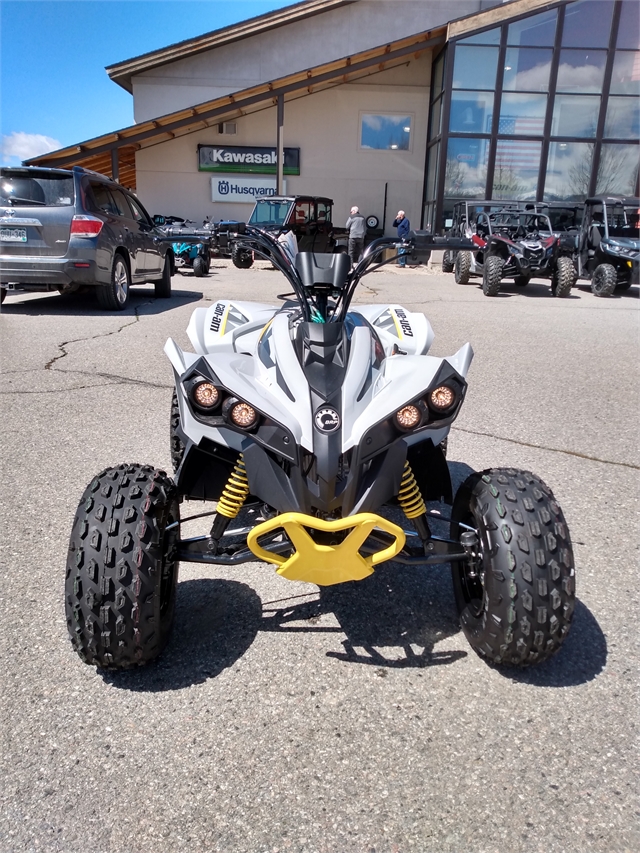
[[519, 153]]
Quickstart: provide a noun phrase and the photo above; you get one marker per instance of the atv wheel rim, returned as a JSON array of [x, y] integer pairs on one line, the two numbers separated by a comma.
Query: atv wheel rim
[[121, 283]]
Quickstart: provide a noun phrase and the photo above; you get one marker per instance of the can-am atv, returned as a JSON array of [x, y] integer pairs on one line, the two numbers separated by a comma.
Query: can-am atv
[[191, 245], [608, 246], [320, 427]]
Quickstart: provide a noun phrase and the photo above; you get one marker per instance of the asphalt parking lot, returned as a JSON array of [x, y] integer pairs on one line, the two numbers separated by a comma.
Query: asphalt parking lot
[[353, 721]]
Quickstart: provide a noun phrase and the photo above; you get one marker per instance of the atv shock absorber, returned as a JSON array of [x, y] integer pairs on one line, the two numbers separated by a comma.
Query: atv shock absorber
[[230, 502], [411, 500]]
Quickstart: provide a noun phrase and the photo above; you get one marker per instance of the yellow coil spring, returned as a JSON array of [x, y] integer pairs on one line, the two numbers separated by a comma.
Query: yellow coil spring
[[234, 493], [409, 496]]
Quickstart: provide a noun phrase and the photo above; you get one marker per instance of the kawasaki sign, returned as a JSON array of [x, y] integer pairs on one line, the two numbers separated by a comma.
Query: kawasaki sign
[[240, 158]]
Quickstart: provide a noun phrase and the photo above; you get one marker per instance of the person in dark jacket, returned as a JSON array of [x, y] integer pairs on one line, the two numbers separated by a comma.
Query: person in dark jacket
[[357, 230], [402, 224]]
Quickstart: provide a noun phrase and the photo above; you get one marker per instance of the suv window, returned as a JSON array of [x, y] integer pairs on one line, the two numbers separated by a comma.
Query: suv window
[[139, 213], [121, 202], [50, 190], [103, 198]]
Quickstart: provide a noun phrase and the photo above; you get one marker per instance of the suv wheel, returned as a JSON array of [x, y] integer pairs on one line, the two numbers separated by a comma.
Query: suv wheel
[[115, 295], [162, 287], [604, 280]]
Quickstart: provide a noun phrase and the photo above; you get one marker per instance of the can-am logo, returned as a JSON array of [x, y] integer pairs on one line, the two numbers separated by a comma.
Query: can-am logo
[[327, 419]]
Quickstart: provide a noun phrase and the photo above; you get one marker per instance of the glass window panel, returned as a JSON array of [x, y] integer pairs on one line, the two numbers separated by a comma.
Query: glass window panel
[[471, 112], [537, 30], [575, 115], [384, 132], [432, 171], [625, 79], [466, 169], [435, 124], [623, 118], [438, 75], [527, 69], [516, 169], [581, 70], [587, 23], [568, 171], [487, 37], [629, 27], [522, 114], [475, 67], [618, 170]]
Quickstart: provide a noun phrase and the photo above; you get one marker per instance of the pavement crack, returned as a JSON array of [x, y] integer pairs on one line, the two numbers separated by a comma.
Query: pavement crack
[[64, 344], [551, 449]]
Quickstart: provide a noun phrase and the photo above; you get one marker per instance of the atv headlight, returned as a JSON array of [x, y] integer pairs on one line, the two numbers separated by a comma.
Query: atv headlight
[[240, 414], [205, 395], [408, 417], [441, 398]]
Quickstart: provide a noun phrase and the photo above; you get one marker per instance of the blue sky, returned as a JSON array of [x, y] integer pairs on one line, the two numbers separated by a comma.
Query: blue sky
[[54, 90]]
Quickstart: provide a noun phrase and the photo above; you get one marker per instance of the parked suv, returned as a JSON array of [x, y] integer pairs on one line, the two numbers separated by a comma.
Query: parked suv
[[60, 229]]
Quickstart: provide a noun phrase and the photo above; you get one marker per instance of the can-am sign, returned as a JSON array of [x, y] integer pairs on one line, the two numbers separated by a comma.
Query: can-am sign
[[241, 158], [236, 188]]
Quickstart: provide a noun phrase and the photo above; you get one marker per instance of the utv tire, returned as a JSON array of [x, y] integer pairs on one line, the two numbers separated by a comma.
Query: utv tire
[[448, 261], [162, 287], [522, 280], [175, 442], [462, 267], [121, 568], [516, 599], [492, 275], [564, 277], [115, 295], [199, 267], [3, 293], [604, 280], [242, 258]]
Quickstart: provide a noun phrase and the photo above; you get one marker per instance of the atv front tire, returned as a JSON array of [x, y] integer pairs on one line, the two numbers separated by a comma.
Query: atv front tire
[[242, 258], [604, 280], [564, 277], [199, 267], [462, 267], [492, 275], [516, 597], [448, 261], [121, 570]]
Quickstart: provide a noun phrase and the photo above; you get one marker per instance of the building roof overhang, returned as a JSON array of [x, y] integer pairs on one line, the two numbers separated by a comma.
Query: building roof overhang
[[98, 153], [122, 72]]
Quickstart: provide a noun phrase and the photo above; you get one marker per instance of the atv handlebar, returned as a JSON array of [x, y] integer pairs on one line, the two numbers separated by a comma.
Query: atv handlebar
[[314, 303]]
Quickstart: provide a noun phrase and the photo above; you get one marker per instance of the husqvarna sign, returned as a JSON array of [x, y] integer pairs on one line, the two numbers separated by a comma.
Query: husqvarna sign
[[239, 188], [242, 158]]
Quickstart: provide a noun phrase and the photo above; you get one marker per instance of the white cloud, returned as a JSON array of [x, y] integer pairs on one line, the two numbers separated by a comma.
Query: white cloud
[[23, 146]]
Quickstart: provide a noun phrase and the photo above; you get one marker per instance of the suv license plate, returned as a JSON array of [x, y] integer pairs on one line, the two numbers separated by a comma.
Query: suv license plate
[[13, 235]]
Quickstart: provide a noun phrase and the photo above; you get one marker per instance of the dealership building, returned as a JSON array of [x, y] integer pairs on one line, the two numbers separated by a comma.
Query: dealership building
[[385, 104]]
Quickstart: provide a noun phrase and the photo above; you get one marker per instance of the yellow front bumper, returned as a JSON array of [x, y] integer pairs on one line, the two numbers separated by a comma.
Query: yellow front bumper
[[325, 565]]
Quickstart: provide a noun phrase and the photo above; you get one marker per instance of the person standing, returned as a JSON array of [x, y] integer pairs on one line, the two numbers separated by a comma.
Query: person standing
[[402, 224], [357, 229]]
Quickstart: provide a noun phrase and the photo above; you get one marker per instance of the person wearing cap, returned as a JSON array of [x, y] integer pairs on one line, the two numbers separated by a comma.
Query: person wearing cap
[[402, 224], [357, 229]]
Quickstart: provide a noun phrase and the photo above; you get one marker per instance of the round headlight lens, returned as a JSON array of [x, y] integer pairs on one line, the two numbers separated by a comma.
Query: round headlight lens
[[243, 415], [442, 397], [408, 417], [206, 395]]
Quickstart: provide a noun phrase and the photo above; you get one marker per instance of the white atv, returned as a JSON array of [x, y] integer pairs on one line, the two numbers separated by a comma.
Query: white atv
[[321, 426]]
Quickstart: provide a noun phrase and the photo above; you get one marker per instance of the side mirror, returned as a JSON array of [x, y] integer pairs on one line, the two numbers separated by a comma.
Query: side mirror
[[159, 220]]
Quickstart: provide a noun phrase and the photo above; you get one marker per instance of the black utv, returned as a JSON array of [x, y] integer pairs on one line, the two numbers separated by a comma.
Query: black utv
[[608, 245]]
